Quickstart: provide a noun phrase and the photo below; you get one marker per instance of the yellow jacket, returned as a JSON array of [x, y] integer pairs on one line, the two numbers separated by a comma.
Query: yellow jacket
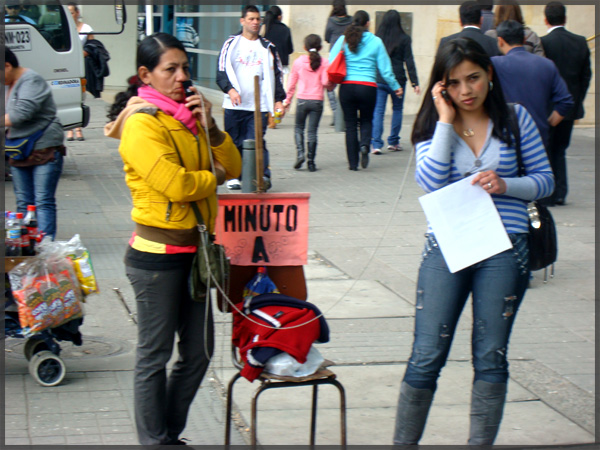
[[162, 189]]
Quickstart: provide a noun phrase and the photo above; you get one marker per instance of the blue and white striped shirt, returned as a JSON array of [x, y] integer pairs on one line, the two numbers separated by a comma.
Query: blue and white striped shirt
[[446, 158]]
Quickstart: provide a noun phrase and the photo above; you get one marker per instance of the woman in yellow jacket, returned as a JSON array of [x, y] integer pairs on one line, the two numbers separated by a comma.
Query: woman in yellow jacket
[[167, 168]]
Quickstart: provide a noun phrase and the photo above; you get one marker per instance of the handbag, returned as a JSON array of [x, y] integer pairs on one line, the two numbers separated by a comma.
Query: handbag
[[543, 242], [336, 72], [210, 266], [21, 148]]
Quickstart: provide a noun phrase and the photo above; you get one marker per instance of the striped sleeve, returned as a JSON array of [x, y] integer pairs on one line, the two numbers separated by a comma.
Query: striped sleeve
[[538, 181], [434, 159]]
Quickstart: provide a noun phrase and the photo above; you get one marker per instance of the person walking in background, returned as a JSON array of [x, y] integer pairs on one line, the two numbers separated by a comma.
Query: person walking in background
[[309, 73], [510, 10], [365, 55], [337, 23], [243, 56], [470, 20], [30, 112], [398, 46], [487, 15], [465, 127], [280, 35], [167, 169], [571, 55], [530, 80], [81, 28]]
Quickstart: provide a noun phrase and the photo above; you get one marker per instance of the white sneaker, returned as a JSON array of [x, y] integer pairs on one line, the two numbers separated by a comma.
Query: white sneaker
[[376, 151], [395, 148], [234, 184]]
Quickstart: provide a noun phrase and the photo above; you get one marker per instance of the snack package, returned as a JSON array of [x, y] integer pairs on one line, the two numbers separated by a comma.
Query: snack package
[[80, 258], [47, 293]]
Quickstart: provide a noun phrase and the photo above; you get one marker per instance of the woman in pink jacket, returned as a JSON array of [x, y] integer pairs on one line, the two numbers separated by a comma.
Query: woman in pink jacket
[[309, 72]]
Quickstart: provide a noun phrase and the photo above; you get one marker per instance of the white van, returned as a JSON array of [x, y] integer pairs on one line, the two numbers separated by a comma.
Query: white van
[[45, 39]]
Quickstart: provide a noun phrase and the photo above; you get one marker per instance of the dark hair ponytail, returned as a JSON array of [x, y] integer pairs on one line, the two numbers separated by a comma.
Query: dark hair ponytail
[[148, 55], [313, 42], [450, 55], [355, 30]]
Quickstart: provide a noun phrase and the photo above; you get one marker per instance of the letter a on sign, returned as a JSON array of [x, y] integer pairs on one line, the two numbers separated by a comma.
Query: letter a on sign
[[264, 229]]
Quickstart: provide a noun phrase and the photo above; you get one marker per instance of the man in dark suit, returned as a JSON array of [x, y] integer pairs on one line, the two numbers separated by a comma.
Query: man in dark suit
[[470, 20], [530, 80], [571, 55]]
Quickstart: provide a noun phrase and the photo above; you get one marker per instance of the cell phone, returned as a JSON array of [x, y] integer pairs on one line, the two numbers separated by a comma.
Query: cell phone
[[186, 86], [445, 95]]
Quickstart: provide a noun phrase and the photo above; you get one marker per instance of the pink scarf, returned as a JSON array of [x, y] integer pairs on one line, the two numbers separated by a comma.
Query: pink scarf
[[169, 106]]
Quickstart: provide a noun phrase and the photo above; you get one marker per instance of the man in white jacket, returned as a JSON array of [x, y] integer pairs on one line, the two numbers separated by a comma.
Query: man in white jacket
[[243, 56]]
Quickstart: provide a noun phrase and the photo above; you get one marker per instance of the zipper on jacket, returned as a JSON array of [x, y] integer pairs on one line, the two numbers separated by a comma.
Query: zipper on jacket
[[168, 216]]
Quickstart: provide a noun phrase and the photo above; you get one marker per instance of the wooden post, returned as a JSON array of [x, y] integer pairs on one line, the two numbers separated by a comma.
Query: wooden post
[[258, 137]]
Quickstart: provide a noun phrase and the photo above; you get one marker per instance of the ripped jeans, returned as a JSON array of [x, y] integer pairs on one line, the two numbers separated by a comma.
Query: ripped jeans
[[498, 285]]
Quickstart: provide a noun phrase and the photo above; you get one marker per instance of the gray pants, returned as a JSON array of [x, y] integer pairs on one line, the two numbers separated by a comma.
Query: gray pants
[[164, 308]]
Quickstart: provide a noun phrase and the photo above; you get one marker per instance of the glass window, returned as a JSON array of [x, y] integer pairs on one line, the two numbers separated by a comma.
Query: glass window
[[50, 20]]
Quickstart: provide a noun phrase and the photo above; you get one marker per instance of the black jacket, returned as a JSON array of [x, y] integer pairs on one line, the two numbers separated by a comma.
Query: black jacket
[[280, 35], [400, 55], [489, 44], [96, 66], [571, 56]]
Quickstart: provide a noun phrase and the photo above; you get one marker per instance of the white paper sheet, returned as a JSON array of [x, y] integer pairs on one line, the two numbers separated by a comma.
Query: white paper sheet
[[466, 224]]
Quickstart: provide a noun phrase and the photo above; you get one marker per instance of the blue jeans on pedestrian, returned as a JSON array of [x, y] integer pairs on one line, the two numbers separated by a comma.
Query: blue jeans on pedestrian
[[383, 90], [36, 185], [311, 109], [498, 285], [239, 125]]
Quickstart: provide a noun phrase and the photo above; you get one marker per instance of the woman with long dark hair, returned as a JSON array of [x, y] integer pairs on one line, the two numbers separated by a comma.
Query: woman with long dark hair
[[365, 55], [398, 45], [465, 127], [167, 164], [309, 72]]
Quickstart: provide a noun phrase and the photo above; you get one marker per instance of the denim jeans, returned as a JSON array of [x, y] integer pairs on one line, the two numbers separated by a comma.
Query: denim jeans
[[311, 109], [164, 309], [36, 185], [498, 285], [383, 90], [357, 99], [240, 126]]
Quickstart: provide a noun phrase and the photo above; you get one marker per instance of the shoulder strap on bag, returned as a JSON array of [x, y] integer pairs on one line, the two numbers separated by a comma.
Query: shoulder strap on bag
[[515, 121]]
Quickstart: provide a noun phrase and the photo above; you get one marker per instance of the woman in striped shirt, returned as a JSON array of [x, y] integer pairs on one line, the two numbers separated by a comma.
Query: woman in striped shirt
[[465, 127]]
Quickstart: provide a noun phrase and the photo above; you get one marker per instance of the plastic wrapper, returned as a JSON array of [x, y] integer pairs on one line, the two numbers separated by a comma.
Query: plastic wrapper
[[284, 364], [47, 293], [259, 284], [79, 256]]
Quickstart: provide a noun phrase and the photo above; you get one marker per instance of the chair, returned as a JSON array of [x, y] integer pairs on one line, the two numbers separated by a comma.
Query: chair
[[290, 281]]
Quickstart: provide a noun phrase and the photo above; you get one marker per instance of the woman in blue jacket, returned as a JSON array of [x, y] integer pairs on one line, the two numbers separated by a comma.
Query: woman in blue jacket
[[365, 54]]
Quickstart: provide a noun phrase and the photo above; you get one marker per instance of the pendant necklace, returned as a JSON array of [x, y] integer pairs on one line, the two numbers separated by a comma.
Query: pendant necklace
[[468, 132]]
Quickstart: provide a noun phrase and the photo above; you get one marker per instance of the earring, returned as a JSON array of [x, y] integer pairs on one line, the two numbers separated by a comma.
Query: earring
[[491, 86]]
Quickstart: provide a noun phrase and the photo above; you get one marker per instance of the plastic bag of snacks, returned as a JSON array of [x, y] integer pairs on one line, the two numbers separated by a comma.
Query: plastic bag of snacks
[[79, 256], [47, 293]]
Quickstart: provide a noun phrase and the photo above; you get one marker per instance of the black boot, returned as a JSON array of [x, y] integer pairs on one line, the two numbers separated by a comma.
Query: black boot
[[312, 151], [300, 149]]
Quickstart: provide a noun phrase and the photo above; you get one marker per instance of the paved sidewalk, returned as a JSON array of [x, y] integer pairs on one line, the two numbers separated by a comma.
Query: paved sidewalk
[[364, 250]]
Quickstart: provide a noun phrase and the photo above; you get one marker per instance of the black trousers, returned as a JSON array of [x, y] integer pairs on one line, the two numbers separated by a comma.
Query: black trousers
[[358, 103], [558, 142]]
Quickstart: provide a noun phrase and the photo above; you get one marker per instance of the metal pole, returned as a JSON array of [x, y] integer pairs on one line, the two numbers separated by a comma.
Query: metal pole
[[258, 136], [248, 166]]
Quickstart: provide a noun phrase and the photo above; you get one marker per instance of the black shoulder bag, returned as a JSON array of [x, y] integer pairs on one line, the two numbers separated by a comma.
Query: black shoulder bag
[[543, 244]]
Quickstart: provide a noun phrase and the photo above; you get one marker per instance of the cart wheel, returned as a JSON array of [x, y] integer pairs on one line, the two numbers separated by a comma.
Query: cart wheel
[[33, 346], [47, 368]]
